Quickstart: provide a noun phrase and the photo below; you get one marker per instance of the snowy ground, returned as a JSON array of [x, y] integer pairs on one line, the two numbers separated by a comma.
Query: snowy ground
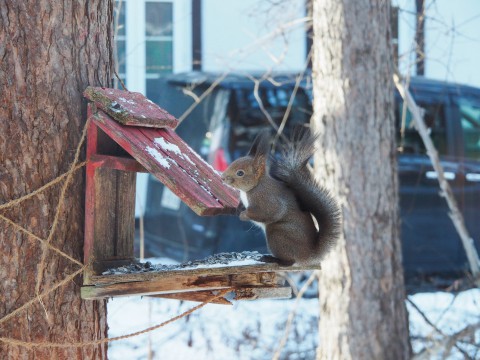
[[253, 330]]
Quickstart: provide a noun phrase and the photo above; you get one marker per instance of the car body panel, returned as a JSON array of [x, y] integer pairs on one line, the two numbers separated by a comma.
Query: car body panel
[[430, 242]]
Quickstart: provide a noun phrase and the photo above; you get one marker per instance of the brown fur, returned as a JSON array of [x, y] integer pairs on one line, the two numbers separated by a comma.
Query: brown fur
[[290, 231]]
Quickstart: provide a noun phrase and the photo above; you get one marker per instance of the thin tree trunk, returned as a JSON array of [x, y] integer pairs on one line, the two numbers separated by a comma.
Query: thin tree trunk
[[50, 51], [363, 313]]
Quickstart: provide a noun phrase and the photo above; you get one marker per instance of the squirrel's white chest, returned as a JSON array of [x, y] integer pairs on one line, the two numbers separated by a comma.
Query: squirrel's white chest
[[244, 200]]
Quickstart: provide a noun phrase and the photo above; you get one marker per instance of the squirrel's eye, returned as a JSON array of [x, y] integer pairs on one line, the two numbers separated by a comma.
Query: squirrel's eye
[[240, 173]]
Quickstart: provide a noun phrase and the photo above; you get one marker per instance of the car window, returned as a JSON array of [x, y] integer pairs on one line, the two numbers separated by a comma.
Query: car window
[[470, 121], [248, 118], [408, 139]]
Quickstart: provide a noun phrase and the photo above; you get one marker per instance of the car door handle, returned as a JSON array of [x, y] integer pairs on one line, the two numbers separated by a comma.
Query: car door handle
[[432, 175], [473, 177]]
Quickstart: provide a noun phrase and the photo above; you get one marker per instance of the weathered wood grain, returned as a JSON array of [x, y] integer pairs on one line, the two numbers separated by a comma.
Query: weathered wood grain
[[182, 170], [262, 269], [255, 293], [199, 296], [109, 206], [130, 108], [181, 283], [243, 293], [117, 163]]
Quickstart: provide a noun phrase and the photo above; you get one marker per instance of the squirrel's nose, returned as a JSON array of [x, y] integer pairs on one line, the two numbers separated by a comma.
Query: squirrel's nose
[[227, 179]]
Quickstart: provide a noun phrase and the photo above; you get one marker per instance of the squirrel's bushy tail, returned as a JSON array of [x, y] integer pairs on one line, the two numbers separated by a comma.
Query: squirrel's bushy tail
[[291, 168]]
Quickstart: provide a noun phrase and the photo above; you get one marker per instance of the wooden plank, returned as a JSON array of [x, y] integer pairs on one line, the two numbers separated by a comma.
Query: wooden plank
[[130, 108], [255, 293], [109, 208], [125, 214], [113, 207], [175, 148], [264, 270], [105, 216], [219, 199], [179, 283], [117, 163], [170, 171], [89, 194], [199, 296], [243, 293]]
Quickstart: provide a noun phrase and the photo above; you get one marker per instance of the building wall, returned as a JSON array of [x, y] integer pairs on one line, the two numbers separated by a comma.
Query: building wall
[[253, 35]]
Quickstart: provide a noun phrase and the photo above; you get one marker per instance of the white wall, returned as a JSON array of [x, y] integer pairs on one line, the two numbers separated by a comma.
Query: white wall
[[244, 35]]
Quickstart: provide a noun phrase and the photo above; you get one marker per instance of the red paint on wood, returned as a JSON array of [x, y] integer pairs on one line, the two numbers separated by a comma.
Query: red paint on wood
[[189, 177], [90, 189], [214, 183], [117, 163], [207, 178], [130, 108]]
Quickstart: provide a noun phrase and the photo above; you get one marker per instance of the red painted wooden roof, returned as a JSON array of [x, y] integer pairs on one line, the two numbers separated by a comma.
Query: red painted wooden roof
[[130, 108], [165, 155]]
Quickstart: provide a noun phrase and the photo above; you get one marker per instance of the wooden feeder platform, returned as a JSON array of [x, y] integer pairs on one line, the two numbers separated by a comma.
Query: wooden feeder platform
[[197, 281], [128, 134]]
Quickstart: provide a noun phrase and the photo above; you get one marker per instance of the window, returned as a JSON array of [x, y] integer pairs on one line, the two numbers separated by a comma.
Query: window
[[408, 139], [119, 28], [469, 108], [159, 44], [248, 118], [152, 38]]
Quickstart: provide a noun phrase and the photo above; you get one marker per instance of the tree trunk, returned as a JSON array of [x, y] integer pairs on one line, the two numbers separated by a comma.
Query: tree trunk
[[363, 314], [50, 52]]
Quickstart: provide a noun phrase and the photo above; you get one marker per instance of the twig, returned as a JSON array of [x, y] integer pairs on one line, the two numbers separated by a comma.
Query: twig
[[259, 100], [292, 314], [427, 320], [120, 80], [292, 97], [455, 214], [447, 342], [203, 96]]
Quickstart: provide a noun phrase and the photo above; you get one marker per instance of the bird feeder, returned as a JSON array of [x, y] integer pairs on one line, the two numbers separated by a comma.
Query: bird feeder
[[127, 134]]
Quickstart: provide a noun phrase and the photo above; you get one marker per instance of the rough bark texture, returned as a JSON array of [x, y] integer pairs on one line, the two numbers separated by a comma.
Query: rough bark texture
[[363, 314], [49, 53]]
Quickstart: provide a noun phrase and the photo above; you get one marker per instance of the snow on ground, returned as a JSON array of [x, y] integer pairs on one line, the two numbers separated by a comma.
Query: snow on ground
[[450, 313], [246, 330], [252, 330]]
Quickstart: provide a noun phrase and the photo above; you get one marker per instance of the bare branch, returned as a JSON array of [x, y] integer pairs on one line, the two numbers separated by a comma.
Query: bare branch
[[455, 213], [292, 314]]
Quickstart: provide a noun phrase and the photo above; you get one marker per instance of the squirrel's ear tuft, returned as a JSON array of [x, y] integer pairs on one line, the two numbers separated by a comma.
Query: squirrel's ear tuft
[[261, 144]]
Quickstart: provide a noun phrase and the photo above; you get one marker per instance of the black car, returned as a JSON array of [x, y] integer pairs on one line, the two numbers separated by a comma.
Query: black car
[[221, 116]]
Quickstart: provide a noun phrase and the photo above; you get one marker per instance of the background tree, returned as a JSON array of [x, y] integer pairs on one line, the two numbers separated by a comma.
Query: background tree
[[49, 51], [362, 295]]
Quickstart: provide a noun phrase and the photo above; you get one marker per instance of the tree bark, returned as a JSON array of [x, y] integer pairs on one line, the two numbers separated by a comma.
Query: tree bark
[[363, 313], [50, 52]]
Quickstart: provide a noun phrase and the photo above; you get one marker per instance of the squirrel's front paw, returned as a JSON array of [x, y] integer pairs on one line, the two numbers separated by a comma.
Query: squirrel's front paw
[[243, 216]]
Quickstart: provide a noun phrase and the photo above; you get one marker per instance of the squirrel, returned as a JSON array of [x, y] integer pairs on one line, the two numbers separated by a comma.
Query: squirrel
[[280, 195]]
